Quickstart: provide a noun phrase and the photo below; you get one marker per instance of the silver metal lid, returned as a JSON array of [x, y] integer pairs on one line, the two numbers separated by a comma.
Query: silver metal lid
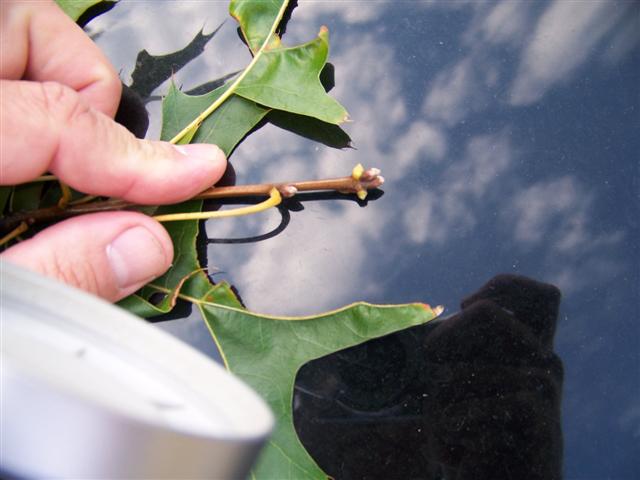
[[89, 391]]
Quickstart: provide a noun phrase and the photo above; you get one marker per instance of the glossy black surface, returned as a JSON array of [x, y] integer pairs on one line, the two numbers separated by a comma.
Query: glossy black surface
[[508, 135]]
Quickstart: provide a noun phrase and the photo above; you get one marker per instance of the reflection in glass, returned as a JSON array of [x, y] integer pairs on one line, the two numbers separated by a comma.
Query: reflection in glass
[[476, 396], [507, 132]]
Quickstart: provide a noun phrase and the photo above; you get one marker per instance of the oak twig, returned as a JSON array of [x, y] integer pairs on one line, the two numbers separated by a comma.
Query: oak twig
[[358, 182]]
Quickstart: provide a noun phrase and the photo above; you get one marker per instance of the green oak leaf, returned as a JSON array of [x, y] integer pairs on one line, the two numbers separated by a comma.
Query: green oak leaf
[[322, 132], [288, 78], [267, 352], [225, 127], [284, 78], [256, 19], [26, 197], [5, 194]]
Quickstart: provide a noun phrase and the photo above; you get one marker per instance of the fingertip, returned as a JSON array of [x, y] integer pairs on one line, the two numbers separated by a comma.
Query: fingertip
[[207, 160], [136, 256], [161, 173]]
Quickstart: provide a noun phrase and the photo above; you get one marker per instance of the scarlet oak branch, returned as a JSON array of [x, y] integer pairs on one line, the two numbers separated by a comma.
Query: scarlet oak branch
[[359, 182]]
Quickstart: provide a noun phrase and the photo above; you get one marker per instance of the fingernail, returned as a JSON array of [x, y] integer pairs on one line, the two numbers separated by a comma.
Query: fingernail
[[136, 257], [201, 153]]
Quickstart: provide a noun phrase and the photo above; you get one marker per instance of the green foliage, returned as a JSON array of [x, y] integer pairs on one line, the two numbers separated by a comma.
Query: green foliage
[[225, 127], [289, 79], [267, 352], [5, 194], [281, 84], [257, 20], [26, 197]]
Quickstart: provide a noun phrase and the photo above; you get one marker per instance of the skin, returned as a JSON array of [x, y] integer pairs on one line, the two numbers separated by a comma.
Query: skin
[[58, 96]]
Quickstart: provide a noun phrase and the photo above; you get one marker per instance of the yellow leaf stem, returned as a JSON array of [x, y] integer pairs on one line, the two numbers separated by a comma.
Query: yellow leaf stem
[[274, 199]]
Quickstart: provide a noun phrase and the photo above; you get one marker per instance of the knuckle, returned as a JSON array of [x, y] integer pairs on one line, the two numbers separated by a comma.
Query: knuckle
[[62, 102], [104, 79]]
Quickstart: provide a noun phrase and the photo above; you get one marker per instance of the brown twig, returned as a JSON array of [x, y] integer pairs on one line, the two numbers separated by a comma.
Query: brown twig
[[359, 182]]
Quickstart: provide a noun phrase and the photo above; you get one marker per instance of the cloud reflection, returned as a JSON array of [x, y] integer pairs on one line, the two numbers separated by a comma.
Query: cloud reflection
[[565, 36], [453, 93], [475, 185], [505, 23], [452, 206], [350, 12], [557, 213], [404, 125]]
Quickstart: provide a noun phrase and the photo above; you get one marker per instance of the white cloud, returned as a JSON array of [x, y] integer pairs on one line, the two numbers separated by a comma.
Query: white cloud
[[451, 95], [571, 275], [535, 209], [421, 222], [142, 19], [421, 144], [334, 280], [566, 35], [506, 22], [450, 205], [351, 12], [556, 214]]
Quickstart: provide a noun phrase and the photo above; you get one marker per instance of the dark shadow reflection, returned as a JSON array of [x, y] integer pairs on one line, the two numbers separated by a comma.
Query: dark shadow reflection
[[285, 219], [183, 309], [95, 11], [132, 113], [151, 71], [476, 396], [294, 204]]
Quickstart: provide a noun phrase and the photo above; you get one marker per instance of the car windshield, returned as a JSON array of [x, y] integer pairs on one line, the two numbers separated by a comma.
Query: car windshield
[[508, 136]]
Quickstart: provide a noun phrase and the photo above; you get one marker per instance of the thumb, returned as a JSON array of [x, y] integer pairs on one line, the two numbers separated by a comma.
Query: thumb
[[110, 254]]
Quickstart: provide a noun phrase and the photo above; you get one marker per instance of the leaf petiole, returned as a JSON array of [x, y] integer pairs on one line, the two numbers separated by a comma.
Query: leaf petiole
[[274, 199]]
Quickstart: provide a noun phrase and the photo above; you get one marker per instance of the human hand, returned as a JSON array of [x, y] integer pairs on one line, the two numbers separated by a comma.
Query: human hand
[[58, 97]]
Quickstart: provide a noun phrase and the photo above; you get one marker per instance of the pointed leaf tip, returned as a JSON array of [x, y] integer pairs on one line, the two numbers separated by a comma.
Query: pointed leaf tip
[[436, 311]]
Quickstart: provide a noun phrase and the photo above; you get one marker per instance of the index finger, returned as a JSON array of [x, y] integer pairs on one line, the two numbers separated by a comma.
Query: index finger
[[46, 45]]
